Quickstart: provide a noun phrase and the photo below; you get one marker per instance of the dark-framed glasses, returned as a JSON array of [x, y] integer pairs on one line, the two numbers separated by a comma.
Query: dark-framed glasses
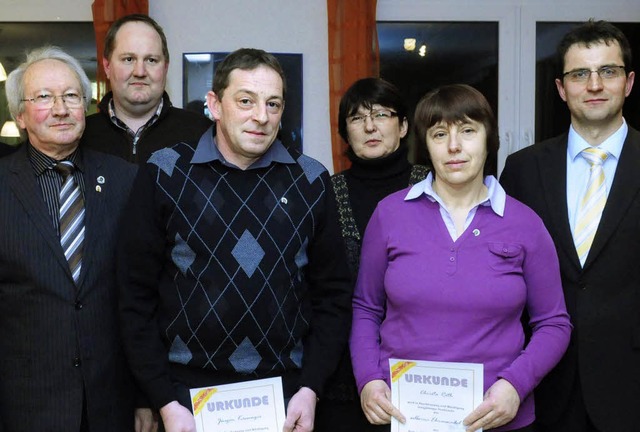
[[46, 100], [377, 116], [604, 72]]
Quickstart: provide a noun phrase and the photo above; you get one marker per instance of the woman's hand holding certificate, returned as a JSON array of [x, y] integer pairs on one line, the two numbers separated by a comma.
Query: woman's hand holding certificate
[[376, 403], [500, 405]]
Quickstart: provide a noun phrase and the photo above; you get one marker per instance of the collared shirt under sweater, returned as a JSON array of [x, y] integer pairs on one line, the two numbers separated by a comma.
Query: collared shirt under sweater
[[243, 267]]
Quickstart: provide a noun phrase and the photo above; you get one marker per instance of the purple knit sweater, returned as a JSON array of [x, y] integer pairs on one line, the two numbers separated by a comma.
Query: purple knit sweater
[[422, 296]]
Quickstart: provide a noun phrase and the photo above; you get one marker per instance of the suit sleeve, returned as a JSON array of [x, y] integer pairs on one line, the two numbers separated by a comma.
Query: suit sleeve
[[140, 263]]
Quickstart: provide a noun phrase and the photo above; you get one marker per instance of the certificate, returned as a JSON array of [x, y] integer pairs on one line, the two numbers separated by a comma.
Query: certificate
[[250, 406], [434, 396]]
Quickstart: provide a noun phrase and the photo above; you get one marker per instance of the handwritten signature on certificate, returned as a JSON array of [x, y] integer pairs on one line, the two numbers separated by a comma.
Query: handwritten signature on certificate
[[434, 396], [249, 406]]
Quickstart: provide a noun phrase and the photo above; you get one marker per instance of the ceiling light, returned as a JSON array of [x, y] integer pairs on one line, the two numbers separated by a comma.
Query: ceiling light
[[3, 73], [10, 129], [198, 58], [409, 44]]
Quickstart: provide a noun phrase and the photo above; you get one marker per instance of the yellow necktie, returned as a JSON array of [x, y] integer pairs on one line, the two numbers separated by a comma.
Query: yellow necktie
[[592, 203]]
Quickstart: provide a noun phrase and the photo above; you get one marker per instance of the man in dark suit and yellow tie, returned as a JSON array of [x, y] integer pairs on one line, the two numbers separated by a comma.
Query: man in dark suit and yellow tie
[[61, 364], [585, 185]]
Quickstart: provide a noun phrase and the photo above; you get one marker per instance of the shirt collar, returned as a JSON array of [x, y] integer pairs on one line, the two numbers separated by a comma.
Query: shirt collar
[[115, 120], [41, 162], [207, 151], [612, 145], [496, 196]]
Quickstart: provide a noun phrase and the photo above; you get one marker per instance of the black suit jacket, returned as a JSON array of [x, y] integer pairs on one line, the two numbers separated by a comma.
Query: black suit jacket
[[58, 340], [6, 149], [603, 298]]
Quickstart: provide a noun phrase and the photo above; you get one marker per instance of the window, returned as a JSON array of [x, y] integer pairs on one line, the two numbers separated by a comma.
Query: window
[[527, 32]]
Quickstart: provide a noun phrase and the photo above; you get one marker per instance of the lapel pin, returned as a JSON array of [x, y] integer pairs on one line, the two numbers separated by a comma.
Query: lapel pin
[[476, 232], [98, 188], [283, 200], [100, 180]]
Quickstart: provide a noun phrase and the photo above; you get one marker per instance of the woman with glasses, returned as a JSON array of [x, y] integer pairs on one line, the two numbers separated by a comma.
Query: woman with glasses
[[449, 266], [373, 121]]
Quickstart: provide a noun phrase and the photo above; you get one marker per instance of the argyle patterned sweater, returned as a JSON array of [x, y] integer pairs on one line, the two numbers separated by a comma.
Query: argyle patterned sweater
[[232, 275]]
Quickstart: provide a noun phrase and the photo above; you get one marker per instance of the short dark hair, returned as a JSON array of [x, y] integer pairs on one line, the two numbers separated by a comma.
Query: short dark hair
[[367, 92], [593, 32], [110, 38], [457, 103], [245, 59]]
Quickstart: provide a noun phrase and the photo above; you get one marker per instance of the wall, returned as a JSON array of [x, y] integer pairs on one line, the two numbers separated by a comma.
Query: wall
[[44, 10], [224, 25]]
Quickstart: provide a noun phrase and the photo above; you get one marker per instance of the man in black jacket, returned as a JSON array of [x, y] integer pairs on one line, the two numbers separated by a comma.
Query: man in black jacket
[[136, 118], [591, 208]]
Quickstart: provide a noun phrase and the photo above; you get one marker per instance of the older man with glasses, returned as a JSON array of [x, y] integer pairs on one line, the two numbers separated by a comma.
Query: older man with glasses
[[61, 364]]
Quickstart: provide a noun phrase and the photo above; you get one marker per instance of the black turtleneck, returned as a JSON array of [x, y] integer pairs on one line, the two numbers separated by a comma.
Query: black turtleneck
[[370, 180], [358, 191]]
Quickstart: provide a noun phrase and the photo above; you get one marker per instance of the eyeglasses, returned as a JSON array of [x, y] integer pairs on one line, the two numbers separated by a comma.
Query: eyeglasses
[[604, 72], [376, 116], [47, 101]]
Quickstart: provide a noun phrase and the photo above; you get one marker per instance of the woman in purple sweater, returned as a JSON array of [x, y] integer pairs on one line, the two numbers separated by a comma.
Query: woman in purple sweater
[[448, 267]]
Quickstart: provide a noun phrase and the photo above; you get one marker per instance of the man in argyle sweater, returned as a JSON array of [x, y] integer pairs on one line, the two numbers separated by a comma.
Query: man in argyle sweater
[[233, 268]]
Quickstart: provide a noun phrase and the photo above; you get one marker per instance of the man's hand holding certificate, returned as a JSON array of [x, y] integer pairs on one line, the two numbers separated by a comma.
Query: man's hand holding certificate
[[434, 396], [250, 406]]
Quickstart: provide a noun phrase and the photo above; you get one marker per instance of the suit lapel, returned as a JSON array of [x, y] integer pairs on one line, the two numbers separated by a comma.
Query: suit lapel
[[553, 172], [624, 189], [26, 189], [95, 208]]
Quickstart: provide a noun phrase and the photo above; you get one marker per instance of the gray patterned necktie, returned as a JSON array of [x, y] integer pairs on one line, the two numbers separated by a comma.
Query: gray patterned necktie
[[71, 218]]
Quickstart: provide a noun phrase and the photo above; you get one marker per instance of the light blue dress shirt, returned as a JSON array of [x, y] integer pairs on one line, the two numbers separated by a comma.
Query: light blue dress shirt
[[496, 198], [207, 151], [578, 167]]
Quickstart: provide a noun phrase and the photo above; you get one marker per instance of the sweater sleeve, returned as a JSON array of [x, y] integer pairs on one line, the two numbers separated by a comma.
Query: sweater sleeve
[[331, 290], [141, 256], [369, 305], [549, 321]]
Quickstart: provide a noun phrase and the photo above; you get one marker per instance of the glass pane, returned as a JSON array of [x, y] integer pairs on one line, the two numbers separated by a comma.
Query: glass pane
[[455, 52], [552, 114]]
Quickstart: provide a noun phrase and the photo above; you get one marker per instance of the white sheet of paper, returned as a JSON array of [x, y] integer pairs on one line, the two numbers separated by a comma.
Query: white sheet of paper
[[434, 396], [250, 406]]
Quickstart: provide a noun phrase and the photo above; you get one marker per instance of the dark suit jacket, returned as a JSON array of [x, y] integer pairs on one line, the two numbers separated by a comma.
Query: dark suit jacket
[[58, 340], [603, 299], [6, 149]]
